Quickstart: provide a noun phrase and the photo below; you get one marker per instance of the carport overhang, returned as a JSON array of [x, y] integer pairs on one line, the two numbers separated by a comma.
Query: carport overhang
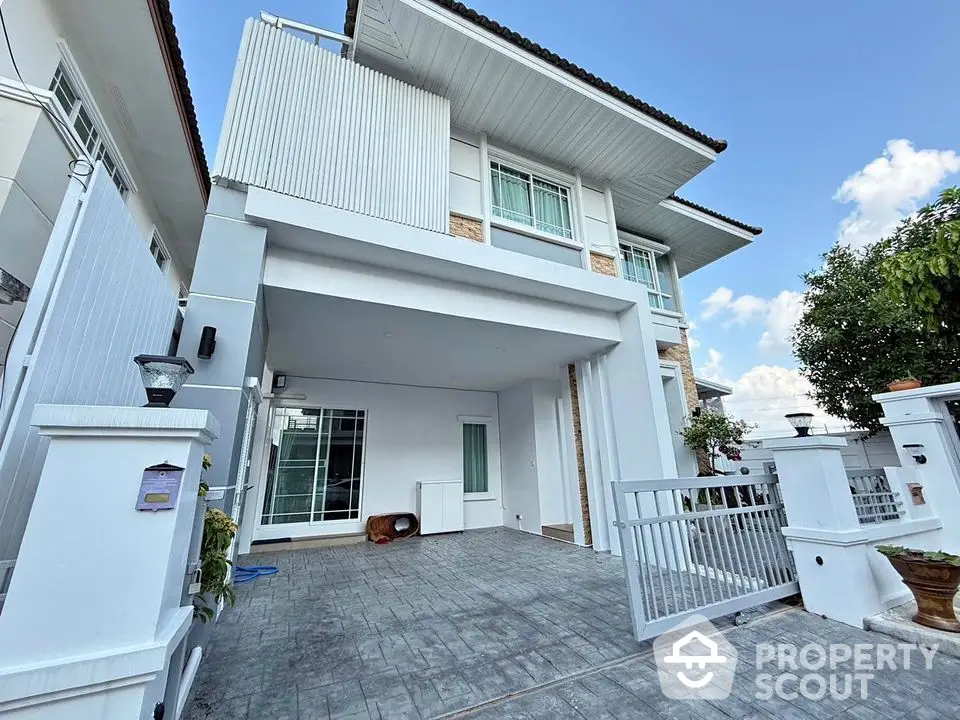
[[353, 297]]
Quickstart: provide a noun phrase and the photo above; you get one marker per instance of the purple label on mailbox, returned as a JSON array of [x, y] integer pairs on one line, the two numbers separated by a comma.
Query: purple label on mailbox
[[159, 487]]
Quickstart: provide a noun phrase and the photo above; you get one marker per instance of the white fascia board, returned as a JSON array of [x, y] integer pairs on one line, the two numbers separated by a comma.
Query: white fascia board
[[706, 219], [445, 257], [511, 51]]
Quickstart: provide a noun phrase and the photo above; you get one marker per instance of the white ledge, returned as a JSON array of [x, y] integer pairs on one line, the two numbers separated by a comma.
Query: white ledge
[[811, 442], [920, 418], [947, 391], [864, 534], [104, 420]]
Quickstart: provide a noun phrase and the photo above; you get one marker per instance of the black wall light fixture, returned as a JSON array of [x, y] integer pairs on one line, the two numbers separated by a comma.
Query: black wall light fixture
[[208, 342], [916, 452]]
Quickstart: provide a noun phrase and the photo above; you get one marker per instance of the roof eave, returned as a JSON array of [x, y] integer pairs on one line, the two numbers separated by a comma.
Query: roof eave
[[162, 18], [495, 28]]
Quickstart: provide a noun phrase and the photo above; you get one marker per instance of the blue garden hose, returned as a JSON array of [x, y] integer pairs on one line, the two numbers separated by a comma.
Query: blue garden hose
[[246, 574]]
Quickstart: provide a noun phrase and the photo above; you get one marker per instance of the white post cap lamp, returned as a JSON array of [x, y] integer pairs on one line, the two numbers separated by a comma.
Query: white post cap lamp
[[162, 376], [801, 422]]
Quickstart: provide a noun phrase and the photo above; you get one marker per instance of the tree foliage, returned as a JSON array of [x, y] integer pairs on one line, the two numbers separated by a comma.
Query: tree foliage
[[923, 273], [710, 432], [857, 334]]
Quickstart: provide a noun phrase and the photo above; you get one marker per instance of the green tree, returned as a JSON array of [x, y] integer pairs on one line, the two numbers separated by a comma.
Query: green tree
[[710, 432], [854, 337], [922, 272]]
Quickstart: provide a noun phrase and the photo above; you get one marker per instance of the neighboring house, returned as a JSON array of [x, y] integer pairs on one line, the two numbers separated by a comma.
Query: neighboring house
[[710, 394], [96, 80], [862, 451], [454, 256]]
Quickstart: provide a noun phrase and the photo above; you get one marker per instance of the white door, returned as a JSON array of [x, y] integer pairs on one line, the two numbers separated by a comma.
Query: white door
[[314, 472]]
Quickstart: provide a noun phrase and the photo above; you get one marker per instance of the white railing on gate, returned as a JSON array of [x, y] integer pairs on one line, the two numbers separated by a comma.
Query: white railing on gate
[[710, 546], [875, 501]]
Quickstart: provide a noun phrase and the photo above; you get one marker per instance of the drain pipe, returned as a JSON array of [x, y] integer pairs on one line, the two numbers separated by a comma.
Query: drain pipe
[[187, 677]]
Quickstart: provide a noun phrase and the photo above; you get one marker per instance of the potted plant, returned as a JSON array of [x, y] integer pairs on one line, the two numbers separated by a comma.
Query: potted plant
[[933, 578], [218, 531], [905, 383]]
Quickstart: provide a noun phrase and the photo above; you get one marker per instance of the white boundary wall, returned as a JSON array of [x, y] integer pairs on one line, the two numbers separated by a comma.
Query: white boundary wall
[[99, 300]]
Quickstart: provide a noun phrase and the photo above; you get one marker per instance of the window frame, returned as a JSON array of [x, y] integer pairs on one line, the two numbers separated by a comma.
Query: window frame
[[161, 251], [487, 422], [533, 171], [103, 147], [652, 255]]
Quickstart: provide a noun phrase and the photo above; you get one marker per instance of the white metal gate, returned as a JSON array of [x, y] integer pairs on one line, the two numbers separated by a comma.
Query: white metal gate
[[98, 300], [709, 546]]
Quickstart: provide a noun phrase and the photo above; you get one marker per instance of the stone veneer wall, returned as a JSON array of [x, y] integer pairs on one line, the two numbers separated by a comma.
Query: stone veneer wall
[[603, 264], [466, 227], [581, 465], [681, 354]]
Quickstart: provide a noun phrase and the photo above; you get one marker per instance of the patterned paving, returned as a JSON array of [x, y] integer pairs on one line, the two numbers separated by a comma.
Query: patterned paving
[[484, 624]]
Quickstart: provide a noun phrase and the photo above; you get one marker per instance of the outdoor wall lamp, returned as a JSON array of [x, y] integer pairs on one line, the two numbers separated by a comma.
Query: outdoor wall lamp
[[279, 381], [162, 376], [916, 452], [208, 342], [801, 422]]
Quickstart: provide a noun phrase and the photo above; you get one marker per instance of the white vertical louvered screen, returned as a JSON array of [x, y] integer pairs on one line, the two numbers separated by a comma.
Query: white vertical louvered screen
[[304, 122]]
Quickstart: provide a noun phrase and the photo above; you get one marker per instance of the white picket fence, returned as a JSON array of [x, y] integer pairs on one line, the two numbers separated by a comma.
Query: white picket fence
[[98, 300]]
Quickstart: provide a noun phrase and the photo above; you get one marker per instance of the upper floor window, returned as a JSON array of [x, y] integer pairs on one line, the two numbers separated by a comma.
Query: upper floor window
[[159, 254], [87, 131], [653, 270], [524, 198]]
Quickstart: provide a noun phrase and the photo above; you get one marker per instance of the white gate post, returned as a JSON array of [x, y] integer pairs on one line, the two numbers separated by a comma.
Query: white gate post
[[93, 612], [919, 417], [823, 531]]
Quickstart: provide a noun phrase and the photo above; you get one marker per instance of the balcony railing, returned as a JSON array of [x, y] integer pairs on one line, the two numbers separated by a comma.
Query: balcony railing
[[302, 121]]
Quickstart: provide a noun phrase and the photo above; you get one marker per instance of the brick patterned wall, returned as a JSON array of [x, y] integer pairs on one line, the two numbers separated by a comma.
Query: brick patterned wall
[[603, 264], [681, 354], [581, 466], [466, 228]]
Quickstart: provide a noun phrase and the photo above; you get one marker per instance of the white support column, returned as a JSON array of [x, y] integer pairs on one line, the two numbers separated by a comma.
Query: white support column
[[93, 612], [841, 575]]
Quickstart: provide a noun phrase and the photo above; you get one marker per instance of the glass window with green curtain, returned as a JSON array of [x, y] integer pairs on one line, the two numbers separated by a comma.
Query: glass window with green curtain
[[475, 476], [529, 200], [639, 265]]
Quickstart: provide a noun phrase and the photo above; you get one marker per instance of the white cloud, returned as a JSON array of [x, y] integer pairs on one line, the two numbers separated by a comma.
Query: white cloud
[[764, 394], [719, 300], [778, 314], [713, 370], [889, 188], [692, 342]]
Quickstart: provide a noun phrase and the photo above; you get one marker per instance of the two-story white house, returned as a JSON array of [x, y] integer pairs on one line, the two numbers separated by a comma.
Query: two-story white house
[[455, 258]]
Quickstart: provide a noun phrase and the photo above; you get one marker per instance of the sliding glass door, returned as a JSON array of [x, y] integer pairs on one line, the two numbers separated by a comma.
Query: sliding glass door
[[314, 471]]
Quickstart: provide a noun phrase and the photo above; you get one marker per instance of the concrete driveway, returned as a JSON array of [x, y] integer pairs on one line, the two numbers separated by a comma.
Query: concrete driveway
[[491, 624]]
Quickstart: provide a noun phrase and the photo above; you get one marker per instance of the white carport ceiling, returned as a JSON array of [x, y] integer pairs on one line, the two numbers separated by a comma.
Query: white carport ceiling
[[325, 337]]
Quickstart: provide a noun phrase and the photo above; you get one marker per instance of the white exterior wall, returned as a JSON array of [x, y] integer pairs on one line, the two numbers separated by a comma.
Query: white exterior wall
[[555, 506], [519, 458], [466, 192], [412, 433]]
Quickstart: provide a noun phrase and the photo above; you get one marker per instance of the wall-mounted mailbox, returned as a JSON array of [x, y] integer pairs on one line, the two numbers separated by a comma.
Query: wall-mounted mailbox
[[159, 487], [916, 493]]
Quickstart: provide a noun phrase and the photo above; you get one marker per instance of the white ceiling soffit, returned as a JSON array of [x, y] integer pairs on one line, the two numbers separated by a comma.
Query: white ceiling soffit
[[523, 102], [318, 336], [128, 78], [695, 238]]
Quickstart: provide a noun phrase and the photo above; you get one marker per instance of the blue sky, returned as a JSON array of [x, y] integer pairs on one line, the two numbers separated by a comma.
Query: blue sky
[[809, 96]]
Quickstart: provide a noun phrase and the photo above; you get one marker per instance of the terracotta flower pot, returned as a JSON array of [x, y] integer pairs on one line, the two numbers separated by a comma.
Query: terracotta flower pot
[[934, 585], [906, 384]]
